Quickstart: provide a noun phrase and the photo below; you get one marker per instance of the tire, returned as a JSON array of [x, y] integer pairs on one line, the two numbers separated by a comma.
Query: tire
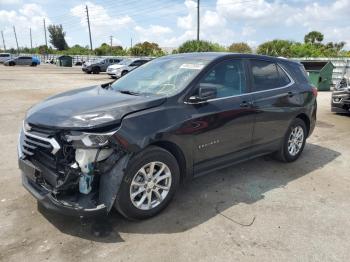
[[128, 207], [124, 73], [96, 70], [286, 153], [34, 64], [12, 64]]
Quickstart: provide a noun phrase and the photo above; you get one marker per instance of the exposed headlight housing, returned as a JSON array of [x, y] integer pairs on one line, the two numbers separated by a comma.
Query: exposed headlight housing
[[93, 140]]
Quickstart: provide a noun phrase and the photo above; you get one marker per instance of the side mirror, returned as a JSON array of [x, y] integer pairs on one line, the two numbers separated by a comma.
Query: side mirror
[[205, 93]]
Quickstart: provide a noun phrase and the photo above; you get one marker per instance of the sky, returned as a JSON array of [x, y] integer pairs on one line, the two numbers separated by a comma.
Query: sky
[[171, 22]]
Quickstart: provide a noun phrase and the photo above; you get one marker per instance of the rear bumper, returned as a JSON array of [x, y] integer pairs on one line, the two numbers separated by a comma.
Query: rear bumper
[[46, 199]]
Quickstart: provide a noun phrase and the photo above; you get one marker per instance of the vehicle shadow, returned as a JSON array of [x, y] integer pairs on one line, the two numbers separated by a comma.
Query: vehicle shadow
[[203, 198]]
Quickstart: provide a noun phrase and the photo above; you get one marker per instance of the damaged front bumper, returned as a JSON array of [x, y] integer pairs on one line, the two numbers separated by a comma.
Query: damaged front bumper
[[45, 198], [60, 191]]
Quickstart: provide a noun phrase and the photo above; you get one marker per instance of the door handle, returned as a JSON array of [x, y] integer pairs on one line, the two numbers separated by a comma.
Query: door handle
[[245, 104]]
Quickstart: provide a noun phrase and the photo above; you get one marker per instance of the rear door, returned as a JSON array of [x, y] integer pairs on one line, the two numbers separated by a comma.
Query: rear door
[[273, 101], [222, 127]]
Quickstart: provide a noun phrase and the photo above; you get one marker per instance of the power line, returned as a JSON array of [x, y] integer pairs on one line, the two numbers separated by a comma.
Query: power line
[[88, 20]]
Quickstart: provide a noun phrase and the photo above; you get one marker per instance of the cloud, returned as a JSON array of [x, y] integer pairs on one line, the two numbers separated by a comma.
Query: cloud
[[102, 24], [28, 16]]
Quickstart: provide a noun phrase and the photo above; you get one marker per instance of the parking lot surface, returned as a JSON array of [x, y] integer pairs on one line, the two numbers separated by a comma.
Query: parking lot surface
[[260, 210]]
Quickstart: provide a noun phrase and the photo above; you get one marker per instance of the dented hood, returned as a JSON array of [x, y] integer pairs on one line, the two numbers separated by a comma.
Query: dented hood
[[87, 108]]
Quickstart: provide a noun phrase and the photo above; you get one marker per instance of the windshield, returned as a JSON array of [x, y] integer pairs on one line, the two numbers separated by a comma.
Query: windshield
[[162, 76], [125, 62]]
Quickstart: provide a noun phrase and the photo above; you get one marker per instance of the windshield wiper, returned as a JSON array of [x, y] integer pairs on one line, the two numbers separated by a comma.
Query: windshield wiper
[[128, 92]]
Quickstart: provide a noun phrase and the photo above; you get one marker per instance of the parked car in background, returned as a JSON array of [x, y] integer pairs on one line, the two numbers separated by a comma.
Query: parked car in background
[[99, 65], [129, 144], [341, 96], [125, 66], [23, 60], [4, 57]]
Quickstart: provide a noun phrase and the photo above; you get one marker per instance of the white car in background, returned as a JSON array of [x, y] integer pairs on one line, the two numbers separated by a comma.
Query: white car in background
[[125, 66], [4, 57]]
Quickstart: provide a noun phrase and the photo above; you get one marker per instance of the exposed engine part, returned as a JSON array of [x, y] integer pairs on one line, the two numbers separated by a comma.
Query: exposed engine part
[[86, 159], [85, 182]]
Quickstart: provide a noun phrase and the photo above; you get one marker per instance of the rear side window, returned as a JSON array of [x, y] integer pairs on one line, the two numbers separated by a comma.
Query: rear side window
[[267, 75], [4, 55], [298, 72]]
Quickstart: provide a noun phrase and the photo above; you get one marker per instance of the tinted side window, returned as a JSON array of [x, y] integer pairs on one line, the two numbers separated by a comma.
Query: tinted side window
[[228, 77], [265, 75]]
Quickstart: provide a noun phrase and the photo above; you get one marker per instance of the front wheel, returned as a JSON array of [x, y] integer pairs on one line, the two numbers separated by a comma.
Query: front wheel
[[96, 70], [294, 142], [149, 184]]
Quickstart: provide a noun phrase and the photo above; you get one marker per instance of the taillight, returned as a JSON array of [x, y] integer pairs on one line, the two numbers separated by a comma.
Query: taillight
[[314, 91]]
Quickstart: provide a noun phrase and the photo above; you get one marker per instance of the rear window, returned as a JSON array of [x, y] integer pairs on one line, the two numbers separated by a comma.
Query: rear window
[[298, 72], [268, 75]]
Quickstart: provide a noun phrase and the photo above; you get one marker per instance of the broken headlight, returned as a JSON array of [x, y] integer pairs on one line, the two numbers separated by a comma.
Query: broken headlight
[[90, 139]]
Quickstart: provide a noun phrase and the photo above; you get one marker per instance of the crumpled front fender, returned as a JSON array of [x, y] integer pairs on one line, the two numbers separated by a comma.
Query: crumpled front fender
[[111, 180]]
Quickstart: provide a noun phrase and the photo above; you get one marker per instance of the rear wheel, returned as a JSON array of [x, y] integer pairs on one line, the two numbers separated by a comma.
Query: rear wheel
[[149, 184], [12, 64], [34, 64], [294, 142]]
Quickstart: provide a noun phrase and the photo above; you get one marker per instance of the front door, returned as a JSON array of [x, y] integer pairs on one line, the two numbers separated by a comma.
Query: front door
[[223, 126]]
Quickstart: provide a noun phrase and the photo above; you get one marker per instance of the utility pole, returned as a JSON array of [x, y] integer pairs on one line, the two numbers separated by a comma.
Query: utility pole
[[131, 42], [14, 30], [31, 42], [3, 40], [198, 2], [111, 43], [45, 33], [88, 20]]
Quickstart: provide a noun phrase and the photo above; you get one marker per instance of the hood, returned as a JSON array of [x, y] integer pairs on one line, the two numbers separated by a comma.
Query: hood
[[116, 66], [88, 108]]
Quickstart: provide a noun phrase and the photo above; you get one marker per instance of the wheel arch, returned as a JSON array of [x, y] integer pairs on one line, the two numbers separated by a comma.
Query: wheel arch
[[306, 120], [176, 151]]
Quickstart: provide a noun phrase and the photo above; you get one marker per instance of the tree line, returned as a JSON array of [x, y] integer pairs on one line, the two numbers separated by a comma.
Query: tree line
[[313, 46]]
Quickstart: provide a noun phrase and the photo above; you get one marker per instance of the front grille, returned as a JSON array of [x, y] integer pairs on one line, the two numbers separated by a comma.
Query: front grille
[[31, 144], [40, 146]]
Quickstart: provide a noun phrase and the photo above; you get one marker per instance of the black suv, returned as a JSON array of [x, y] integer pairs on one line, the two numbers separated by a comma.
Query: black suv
[[130, 143]]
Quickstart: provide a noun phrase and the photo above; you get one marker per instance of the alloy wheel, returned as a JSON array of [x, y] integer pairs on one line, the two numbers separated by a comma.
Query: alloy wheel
[[296, 140], [150, 185]]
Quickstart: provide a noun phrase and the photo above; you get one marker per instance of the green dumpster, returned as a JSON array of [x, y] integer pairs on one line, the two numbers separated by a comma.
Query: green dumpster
[[65, 60], [320, 73]]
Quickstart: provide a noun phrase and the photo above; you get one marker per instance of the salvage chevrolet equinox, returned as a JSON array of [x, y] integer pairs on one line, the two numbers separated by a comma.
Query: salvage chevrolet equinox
[[129, 144]]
